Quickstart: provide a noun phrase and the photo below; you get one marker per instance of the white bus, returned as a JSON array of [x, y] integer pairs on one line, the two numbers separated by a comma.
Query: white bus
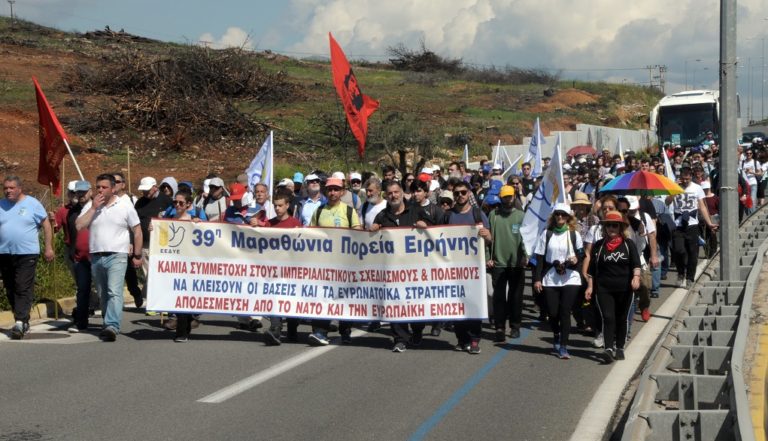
[[684, 118]]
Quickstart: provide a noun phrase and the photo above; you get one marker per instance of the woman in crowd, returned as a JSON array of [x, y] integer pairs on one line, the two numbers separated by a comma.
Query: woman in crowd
[[614, 258], [556, 274]]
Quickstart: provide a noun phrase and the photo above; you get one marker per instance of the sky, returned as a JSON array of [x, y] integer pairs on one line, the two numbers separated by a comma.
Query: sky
[[606, 40]]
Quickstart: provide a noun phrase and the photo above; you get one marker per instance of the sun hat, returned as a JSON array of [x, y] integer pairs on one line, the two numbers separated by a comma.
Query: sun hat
[[581, 198], [285, 182], [613, 216], [446, 194], [311, 177], [563, 207], [355, 176]]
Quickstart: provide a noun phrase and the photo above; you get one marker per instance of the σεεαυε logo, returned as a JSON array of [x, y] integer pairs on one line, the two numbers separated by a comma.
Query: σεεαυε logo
[[171, 235]]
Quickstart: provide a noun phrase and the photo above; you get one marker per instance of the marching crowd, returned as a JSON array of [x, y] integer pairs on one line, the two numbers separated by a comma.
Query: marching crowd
[[599, 260]]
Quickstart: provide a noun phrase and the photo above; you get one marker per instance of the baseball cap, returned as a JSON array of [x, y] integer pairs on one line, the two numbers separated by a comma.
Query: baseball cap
[[355, 175], [492, 199], [706, 185], [298, 177], [215, 182], [446, 194], [338, 175], [81, 186], [334, 182], [311, 177], [285, 182], [496, 167], [237, 190], [147, 183], [71, 185], [563, 207], [427, 170], [506, 190]]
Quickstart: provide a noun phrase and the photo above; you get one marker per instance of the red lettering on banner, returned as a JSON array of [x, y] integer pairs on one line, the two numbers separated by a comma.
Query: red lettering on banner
[[335, 309], [262, 306], [450, 309], [358, 310]]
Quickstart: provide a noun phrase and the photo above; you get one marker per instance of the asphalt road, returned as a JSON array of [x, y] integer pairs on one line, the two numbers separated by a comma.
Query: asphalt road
[[60, 386]]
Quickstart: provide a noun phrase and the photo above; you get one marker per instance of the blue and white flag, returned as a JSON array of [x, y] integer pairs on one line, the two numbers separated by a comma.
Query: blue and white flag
[[261, 168], [534, 150], [466, 155], [550, 192]]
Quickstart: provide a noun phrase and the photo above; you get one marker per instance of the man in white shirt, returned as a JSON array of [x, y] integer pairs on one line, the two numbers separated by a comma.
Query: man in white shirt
[[111, 223], [685, 239], [374, 203]]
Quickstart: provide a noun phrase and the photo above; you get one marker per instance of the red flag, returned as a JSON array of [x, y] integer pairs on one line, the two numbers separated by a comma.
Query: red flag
[[52, 148], [357, 106]]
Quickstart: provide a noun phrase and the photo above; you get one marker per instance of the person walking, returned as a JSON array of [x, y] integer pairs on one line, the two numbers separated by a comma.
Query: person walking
[[21, 218], [556, 273], [616, 261], [110, 223]]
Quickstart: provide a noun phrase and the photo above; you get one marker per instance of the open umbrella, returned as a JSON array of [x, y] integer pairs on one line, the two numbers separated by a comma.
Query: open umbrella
[[642, 183], [581, 150]]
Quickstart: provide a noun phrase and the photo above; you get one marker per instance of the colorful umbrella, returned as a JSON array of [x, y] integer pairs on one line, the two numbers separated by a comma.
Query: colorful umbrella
[[642, 183]]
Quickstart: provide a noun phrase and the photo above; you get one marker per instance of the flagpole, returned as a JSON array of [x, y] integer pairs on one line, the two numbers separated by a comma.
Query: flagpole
[[53, 262], [512, 165], [63, 180], [72, 155], [272, 163], [128, 174]]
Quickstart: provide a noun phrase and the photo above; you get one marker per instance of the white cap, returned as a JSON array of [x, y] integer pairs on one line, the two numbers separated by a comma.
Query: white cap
[[71, 185], [311, 177], [608, 176], [206, 186], [435, 167], [705, 185], [561, 206], [634, 202], [496, 167], [427, 170], [339, 175], [434, 185], [147, 183], [355, 175], [285, 182]]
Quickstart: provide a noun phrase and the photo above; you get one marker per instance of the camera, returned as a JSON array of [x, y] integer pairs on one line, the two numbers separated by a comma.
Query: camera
[[559, 267]]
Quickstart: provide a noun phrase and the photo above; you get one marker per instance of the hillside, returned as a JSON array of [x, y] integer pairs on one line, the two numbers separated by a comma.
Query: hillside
[[438, 114]]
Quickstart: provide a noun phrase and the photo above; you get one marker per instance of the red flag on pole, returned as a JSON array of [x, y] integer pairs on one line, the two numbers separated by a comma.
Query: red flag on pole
[[52, 148], [357, 106]]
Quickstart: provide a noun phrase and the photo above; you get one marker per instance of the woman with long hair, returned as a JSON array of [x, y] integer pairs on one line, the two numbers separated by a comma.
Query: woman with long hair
[[556, 274], [614, 258]]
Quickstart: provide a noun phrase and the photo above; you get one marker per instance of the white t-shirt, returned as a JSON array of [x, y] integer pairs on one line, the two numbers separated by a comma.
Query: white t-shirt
[[373, 210], [560, 248], [111, 227], [594, 234], [688, 202], [749, 167]]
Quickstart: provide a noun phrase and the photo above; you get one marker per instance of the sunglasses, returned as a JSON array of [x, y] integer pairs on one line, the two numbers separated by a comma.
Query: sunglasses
[[179, 203], [333, 188], [118, 182], [612, 225], [409, 180], [355, 181], [313, 181], [561, 214], [460, 192]]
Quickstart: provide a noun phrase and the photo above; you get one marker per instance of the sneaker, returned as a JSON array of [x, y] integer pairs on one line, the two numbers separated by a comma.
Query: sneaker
[[435, 332], [108, 334], [346, 338], [514, 333], [645, 314], [682, 283], [499, 336], [417, 338], [318, 339], [373, 326], [599, 342], [181, 339], [609, 355], [556, 343], [399, 347], [474, 347], [620, 354], [461, 347], [18, 330], [563, 353], [73, 329], [272, 337]]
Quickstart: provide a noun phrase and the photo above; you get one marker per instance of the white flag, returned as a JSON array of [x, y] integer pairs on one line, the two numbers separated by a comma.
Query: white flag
[[550, 192], [620, 149], [466, 155], [261, 168], [534, 149], [667, 166]]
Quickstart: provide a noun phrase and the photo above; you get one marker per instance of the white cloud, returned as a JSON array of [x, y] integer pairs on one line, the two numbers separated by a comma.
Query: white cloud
[[233, 37], [583, 35]]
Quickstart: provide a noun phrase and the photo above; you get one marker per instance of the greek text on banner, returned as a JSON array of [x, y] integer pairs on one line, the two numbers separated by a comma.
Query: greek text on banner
[[396, 275]]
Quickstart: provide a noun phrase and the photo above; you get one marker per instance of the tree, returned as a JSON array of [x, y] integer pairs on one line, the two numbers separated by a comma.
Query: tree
[[398, 134]]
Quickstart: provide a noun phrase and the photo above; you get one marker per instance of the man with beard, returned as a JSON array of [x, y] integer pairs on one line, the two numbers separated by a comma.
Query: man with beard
[[400, 214]]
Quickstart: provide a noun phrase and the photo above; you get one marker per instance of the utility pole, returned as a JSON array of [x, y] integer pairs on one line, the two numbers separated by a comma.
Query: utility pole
[[729, 255], [662, 80], [13, 19]]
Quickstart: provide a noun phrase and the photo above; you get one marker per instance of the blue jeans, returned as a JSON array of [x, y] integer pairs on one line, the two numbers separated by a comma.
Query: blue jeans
[[82, 272], [109, 275], [656, 274]]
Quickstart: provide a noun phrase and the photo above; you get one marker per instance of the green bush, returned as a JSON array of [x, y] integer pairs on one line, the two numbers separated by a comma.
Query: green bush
[[53, 280]]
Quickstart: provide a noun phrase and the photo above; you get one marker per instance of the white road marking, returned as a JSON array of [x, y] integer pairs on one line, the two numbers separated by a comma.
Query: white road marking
[[598, 413], [271, 372]]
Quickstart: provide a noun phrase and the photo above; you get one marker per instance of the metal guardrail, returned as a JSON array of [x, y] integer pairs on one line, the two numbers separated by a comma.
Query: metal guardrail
[[692, 386]]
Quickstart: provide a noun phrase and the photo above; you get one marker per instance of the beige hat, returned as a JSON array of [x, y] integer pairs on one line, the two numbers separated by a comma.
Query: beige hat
[[581, 198], [446, 194]]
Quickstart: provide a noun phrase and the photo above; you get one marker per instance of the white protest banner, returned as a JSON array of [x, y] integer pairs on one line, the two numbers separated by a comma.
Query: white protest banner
[[396, 275]]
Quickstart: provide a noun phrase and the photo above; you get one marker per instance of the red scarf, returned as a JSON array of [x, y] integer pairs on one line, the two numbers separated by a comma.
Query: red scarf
[[612, 244]]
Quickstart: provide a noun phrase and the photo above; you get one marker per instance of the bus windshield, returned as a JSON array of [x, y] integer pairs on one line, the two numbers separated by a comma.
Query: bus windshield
[[687, 125]]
